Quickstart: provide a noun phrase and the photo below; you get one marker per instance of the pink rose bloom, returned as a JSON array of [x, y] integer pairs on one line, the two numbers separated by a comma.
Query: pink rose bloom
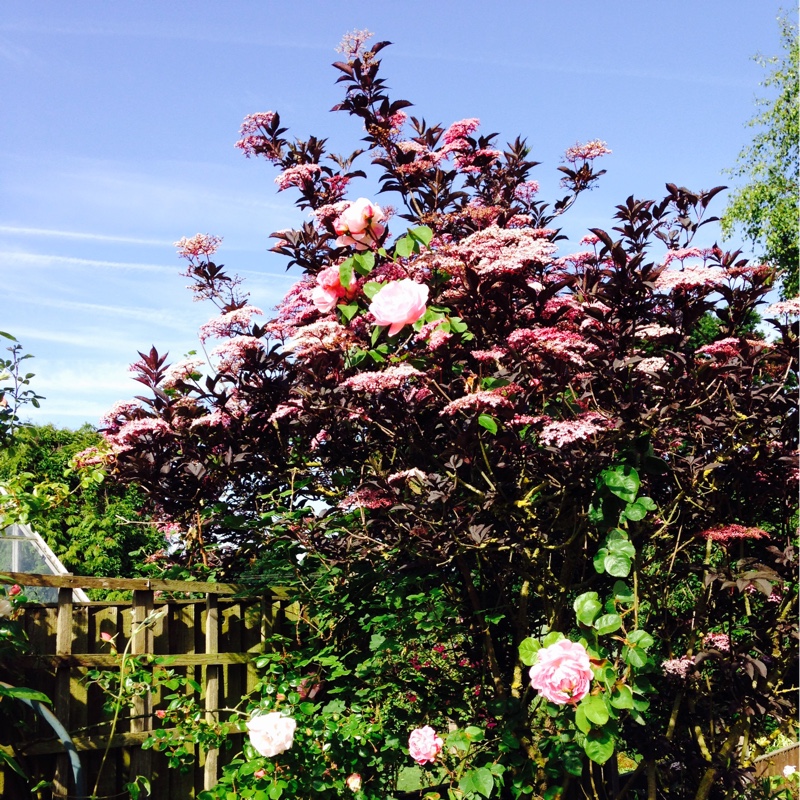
[[424, 745], [361, 225], [259, 773], [106, 637], [399, 303], [161, 713], [329, 289], [562, 672], [354, 782], [15, 590]]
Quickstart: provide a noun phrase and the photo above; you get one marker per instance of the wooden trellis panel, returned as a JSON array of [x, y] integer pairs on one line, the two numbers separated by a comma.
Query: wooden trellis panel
[[212, 638]]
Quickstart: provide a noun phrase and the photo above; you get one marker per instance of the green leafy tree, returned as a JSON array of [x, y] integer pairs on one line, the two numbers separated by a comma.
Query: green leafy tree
[[96, 525], [766, 207]]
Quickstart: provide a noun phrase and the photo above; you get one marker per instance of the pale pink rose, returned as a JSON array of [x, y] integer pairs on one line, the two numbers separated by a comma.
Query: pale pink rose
[[324, 301], [399, 303], [330, 280], [562, 672], [354, 782], [361, 225], [424, 745], [259, 773], [271, 733]]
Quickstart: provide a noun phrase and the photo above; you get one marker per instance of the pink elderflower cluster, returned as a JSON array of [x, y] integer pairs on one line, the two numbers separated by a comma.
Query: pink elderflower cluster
[[679, 667], [492, 354], [216, 419], [654, 331], [460, 130], [199, 245], [352, 44], [360, 225], [131, 432], [124, 409], [393, 377], [652, 365], [90, 457], [319, 337], [230, 323], [337, 185], [233, 353], [790, 308], [181, 371], [289, 409], [301, 176], [496, 250], [691, 277], [563, 432], [465, 162], [527, 191], [718, 641], [723, 349], [169, 527], [407, 476], [254, 123], [564, 345], [367, 498], [295, 310], [729, 532], [329, 289], [682, 253], [485, 400], [587, 152], [590, 239]]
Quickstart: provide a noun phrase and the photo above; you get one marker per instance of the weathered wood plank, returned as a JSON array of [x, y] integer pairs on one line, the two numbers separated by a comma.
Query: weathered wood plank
[[85, 743], [212, 687], [110, 661], [125, 584], [142, 719], [61, 699]]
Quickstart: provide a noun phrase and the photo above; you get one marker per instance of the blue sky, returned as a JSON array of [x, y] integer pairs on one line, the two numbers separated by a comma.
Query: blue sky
[[119, 120]]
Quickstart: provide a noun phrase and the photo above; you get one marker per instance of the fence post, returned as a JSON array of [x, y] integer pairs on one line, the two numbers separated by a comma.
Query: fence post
[[212, 686], [142, 643], [61, 701]]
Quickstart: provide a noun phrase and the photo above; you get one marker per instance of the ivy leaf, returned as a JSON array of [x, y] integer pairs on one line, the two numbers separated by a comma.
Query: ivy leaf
[[599, 560], [622, 481], [618, 566], [587, 607]]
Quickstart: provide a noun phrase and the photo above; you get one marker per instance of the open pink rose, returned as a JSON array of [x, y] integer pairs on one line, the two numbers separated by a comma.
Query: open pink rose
[[562, 672], [399, 303], [360, 225], [329, 290], [424, 745]]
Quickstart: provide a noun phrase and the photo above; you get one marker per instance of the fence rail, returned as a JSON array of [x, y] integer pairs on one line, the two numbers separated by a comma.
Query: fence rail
[[211, 640]]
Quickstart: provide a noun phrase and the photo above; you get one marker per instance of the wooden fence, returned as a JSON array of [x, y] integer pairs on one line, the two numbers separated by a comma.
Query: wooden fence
[[212, 640]]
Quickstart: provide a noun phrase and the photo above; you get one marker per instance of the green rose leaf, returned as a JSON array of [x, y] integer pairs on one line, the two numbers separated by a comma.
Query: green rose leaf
[[346, 272], [364, 262], [572, 761], [488, 422], [404, 246], [348, 311], [634, 656], [608, 623], [599, 746], [581, 722], [371, 288], [422, 233], [552, 638], [594, 706], [528, 649], [587, 607], [641, 639], [622, 697]]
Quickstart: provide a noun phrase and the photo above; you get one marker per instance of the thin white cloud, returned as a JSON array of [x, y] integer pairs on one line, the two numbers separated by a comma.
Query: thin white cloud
[[94, 237], [44, 260]]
